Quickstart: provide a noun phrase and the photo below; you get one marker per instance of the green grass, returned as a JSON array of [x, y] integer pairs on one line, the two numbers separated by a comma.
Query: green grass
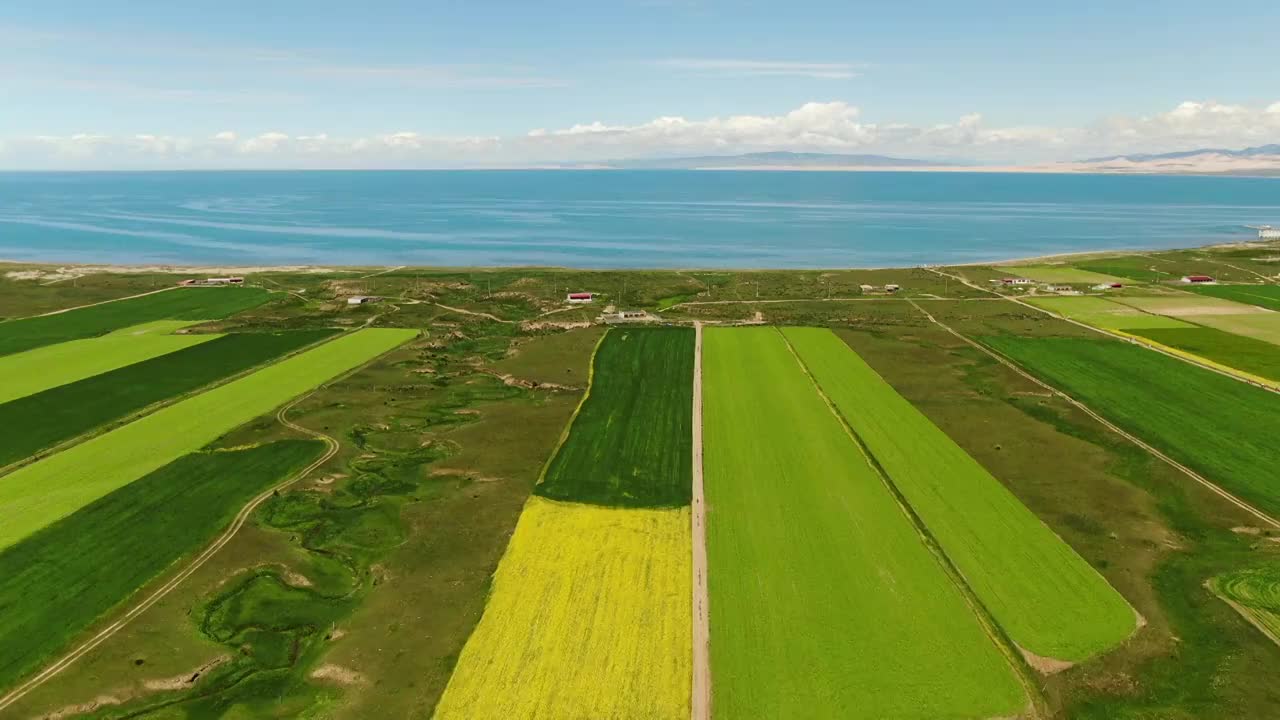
[[181, 304], [1186, 305], [1104, 313], [1266, 296], [631, 442], [1222, 428], [1062, 274], [41, 493], [1253, 356], [43, 420], [1264, 326], [1046, 597], [826, 601], [1131, 267], [32, 371], [1257, 592], [56, 583]]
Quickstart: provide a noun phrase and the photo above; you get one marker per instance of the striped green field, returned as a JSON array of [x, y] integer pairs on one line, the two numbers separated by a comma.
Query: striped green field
[[41, 421], [179, 304], [826, 603], [1061, 274], [1255, 592], [630, 444], [39, 494], [30, 372], [1256, 357], [1265, 296], [1105, 314], [64, 577], [1045, 596], [1220, 427]]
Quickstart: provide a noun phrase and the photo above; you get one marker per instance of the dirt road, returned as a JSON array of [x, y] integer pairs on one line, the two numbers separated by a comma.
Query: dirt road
[[701, 708]]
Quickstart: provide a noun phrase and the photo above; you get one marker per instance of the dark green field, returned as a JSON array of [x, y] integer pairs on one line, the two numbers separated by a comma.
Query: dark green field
[[183, 304], [631, 442], [57, 582], [1220, 427], [1251, 355], [1267, 296], [40, 421]]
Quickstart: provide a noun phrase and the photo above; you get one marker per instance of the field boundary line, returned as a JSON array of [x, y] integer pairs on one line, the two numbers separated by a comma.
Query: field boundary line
[[700, 707], [1241, 504], [160, 405], [221, 541], [1232, 373], [89, 305], [991, 628], [568, 426], [1244, 612]]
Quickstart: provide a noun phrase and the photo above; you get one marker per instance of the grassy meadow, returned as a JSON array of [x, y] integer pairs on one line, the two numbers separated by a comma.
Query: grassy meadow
[[179, 304], [630, 443], [825, 601], [1222, 428], [30, 372], [1105, 313], [41, 493], [589, 616], [37, 422], [1061, 274], [64, 577], [1045, 596]]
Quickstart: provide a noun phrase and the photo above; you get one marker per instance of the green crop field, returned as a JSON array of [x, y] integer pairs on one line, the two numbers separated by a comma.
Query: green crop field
[[1047, 598], [825, 601], [1220, 427], [32, 371], [1266, 296], [1264, 326], [1256, 592], [1188, 305], [181, 304], [631, 442], [64, 577], [1104, 313], [41, 493], [37, 422], [1253, 356], [1062, 274]]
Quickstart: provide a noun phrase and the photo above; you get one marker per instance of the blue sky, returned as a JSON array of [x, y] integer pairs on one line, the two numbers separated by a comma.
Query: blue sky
[[105, 83]]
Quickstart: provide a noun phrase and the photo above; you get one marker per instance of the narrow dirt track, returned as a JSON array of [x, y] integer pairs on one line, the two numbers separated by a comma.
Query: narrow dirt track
[[106, 633], [701, 706], [1260, 515]]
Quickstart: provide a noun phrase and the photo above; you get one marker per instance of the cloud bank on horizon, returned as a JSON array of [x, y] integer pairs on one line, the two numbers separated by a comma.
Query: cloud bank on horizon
[[833, 127]]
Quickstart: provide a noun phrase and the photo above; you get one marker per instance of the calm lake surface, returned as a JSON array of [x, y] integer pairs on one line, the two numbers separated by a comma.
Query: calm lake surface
[[622, 219]]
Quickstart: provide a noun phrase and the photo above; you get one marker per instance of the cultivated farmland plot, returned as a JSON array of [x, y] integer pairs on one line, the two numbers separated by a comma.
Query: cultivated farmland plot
[[43, 420], [193, 304], [1220, 427], [41, 493], [589, 617], [630, 442], [30, 372], [1045, 596], [825, 602], [67, 575]]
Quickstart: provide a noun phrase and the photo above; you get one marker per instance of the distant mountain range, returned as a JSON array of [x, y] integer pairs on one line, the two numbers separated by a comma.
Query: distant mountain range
[[1260, 160], [777, 160], [1251, 152]]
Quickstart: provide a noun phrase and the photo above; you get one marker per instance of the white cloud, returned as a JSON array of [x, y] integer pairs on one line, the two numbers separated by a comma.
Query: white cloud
[[816, 126], [763, 68]]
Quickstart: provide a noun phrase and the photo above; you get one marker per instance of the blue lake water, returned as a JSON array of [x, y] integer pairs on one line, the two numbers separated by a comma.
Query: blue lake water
[[623, 219]]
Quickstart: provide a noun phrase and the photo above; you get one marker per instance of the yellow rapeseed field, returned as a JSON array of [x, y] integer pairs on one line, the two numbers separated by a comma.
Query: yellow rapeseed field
[[589, 617]]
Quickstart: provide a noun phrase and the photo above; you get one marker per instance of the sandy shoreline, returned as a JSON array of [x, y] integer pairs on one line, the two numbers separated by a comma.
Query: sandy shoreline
[[18, 269]]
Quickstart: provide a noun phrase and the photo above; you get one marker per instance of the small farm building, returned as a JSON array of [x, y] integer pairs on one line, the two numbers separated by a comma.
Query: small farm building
[[580, 297], [892, 288], [866, 288], [1058, 288], [1266, 232], [362, 299], [1196, 279], [212, 282], [1017, 281], [1108, 286]]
